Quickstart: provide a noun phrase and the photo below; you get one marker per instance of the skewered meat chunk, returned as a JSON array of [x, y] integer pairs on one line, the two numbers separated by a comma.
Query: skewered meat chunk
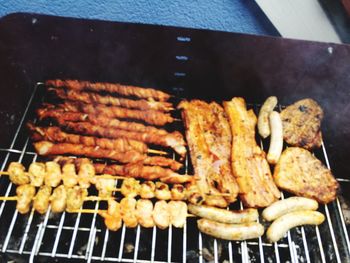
[[47, 148], [55, 134], [121, 89], [249, 164], [128, 211], [144, 209], [104, 186], [69, 176], [37, 174], [75, 198], [53, 175], [150, 116], [162, 191], [147, 190], [130, 187], [25, 194], [86, 173], [17, 174], [178, 192], [93, 98], [112, 217], [161, 214], [178, 213], [193, 195], [59, 199], [42, 199]]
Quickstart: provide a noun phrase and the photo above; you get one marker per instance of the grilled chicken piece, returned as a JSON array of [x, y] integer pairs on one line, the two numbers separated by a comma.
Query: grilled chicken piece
[[178, 213], [128, 211], [130, 187], [112, 217], [86, 173], [59, 199], [25, 194], [161, 214], [147, 190], [104, 186], [162, 191], [302, 124], [37, 174], [75, 198], [115, 88], [53, 175], [178, 192], [249, 164], [144, 209], [209, 139], [42, 199], [69, 176], [302, 174], [17, 174]]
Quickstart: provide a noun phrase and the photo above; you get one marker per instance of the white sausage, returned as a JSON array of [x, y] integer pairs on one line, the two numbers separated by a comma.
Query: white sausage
[[230, 231], [276, 141], [223, 215], [288, 205], [263, 119], [298, 218]]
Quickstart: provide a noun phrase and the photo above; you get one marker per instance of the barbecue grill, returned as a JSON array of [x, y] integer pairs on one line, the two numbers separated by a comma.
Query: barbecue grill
[[189, 64]]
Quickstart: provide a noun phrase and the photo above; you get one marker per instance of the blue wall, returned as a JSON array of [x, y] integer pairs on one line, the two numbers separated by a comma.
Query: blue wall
[[226, 15]]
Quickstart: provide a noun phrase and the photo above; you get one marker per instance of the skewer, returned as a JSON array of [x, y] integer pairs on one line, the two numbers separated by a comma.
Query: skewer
[[88, 198], [156, 152]]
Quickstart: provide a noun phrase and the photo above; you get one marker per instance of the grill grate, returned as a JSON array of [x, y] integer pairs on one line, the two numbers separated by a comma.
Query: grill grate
[[84, 237]]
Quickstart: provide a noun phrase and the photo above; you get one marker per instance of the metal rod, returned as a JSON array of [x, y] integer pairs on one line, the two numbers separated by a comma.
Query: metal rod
[[200, 247], [91, 247], [92, 227], [319, 240], [58, 234], [105, 241], [137, 242], [74, 236], [153, 248], [216, 260], [170, 236], [121, 246]]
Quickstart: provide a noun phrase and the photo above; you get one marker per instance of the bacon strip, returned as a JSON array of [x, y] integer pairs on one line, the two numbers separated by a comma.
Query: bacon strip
[[47, 148], [93, 98], [55, 134], [124, 90]]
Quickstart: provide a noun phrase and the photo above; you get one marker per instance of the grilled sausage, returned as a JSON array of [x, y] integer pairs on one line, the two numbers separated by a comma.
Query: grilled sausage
[[263, 119], [230, 231], [288, 205], [276, 142], [223, 215], [298, 218]]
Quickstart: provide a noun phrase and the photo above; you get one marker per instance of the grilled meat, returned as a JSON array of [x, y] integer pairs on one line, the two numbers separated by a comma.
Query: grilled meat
[[124, 90], [302, 124], [47, 148], [56, 135], [130, 187], [209, 138], [147, 190], [59, 199], [37, 174], [75, 198], [161, 214], [128, 211], [53, 176], [17, 174], [299, 172], [42, 199], [25, 194], [150, 116], [144, 212], [112, 217], [69, 176], [249, 163], [93, 98], [178, 213]]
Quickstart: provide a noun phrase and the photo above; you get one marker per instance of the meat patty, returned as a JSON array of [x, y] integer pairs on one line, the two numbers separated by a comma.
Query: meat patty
[[301, 173], [302, 123]]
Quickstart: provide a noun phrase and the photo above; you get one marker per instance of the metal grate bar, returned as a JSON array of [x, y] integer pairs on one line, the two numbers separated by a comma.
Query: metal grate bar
[[170, 235], [90, 249], [230, 252], [216, 260], [137, 242], [58, 235], [184, 243], [319, 240], [74, 236], [92, 226], [121, 243], [200, 247], [153, 249], [103, 254], [26, 231]]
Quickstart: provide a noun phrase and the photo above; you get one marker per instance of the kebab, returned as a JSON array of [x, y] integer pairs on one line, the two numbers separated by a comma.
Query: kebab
[[93, 98], [56, 135], [124, 90], [46, 148], [154, 117]]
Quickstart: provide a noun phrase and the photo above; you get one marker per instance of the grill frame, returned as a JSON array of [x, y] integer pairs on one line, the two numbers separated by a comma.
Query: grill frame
[[190, 63]]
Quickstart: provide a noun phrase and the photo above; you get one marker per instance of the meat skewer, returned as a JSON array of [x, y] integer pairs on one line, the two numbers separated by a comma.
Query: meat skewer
[[124, 90], [150, 116], [55, 134], [46, 148], [93, 98], [103, 126]]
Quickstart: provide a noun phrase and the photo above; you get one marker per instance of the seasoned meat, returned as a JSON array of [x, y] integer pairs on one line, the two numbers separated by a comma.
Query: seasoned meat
[[302, 174], [59, 199], [302, 123], [144, 209], [112, 217], [249, 164], [147, 190], [161, 214], [37, 174], [69, 176], [104, 186], [128, 211], [178, 192], [17, 174], [178, 213], [162, 191], [42, 199], [53, 175], [25, 194], [130, 187], [75, 198]]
